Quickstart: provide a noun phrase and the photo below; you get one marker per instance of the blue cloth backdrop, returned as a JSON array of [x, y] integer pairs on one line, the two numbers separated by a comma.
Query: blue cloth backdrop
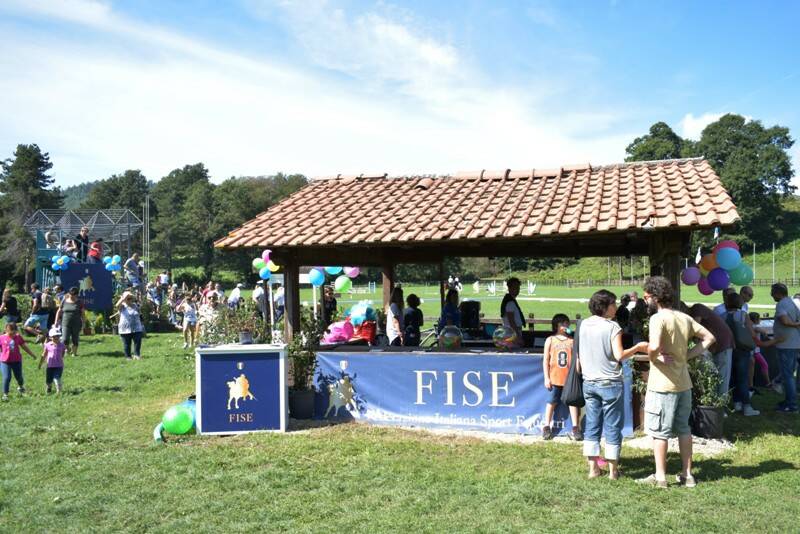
[[94, 283]]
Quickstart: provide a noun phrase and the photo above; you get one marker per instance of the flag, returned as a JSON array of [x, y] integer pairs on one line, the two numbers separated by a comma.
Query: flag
[[699, 256]]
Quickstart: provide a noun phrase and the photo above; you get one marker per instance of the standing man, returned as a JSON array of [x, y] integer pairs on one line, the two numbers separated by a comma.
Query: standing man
[[787, 328], [260, 300], [510, 311], [722, 350], [82, 241], [132, 272], [668, 402], [747, 295], [279, 299]]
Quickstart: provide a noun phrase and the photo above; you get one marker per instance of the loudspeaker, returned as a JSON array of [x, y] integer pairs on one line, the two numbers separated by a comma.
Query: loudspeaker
[[470, 314]]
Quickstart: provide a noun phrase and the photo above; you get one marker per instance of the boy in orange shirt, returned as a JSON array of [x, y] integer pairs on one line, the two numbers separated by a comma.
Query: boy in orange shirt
[[555, 365]]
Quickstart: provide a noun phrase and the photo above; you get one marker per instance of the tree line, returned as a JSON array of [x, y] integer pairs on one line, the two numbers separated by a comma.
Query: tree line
[[189, 211]]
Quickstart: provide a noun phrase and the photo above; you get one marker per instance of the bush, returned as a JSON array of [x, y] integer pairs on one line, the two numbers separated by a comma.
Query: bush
[[302, 349], [705, 381]]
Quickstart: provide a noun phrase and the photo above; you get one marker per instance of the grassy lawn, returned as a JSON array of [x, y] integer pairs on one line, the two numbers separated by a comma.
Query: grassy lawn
[[85, 462]]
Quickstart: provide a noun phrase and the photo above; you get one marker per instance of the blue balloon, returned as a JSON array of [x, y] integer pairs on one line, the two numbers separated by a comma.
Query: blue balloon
[[333, 270], [107, 259], [265, 273], [316, 277], [66, 259], [55, 267], [728, 258], [117, 267], [54, 259], [116, 259], [109, 268]]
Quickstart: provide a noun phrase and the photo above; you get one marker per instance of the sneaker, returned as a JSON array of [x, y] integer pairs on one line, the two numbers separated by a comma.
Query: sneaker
[[5, 397], [652, 481], [547, 433], [737, 406], [749, 411], [777, 388], [21, 390], [577, 435], [687, 482], [185, 345], [786, 409]]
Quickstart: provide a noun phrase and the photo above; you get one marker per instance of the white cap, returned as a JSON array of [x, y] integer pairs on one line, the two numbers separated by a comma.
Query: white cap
[[239, 285], [54, 332], [260, 282]]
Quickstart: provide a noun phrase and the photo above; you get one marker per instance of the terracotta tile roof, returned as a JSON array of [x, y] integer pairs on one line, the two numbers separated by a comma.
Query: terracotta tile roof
[[577, 199]]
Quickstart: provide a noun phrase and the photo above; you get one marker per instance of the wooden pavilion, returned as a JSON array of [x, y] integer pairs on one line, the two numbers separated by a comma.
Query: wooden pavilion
[[639, 208]]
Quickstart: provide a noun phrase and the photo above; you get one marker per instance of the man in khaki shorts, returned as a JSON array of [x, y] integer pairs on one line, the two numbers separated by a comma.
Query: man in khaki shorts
[[669, 388]]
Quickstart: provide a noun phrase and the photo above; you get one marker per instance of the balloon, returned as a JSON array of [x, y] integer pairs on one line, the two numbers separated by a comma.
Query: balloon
[[265, 255], [60, 261], [333, 270], [690, 276], [703, 287], [178, 420], [316, 277], [709, 262], [718, 279], [259, 264], [703, 272], [264, 273], [109, 267], [117, 267], [66, 259], [116, 258], [55, 267], [741, 275], [725, 244], [343, 284], [272, 266], [728, 258], [352, 272], [106, 259], [54, 259]]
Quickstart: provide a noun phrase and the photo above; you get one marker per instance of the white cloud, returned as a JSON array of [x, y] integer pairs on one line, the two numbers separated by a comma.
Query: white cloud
[[148, 97], [692, 127]]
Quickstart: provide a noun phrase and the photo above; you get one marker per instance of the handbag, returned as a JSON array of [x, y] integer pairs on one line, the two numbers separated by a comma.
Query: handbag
[[741, 335], [572, 394]]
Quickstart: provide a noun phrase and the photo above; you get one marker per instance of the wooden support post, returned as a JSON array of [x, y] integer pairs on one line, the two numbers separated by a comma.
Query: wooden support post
[[441, 284], [388, 282], [291, 277], [665, 254]]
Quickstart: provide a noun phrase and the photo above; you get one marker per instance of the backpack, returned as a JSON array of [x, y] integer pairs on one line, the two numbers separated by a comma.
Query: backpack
[[741, 335]]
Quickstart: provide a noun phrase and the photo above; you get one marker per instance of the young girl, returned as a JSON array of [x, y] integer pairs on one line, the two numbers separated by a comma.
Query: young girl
[[189, 309], [54, 354], [11, 358]]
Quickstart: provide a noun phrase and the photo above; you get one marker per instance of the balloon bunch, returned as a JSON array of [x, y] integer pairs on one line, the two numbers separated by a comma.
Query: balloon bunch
[[717, 270], [343, 283], [113, 263], [264, 265], [60, 263], [178, 420], [360, 312]]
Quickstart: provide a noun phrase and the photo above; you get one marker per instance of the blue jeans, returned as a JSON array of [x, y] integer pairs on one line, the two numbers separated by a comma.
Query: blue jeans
[[8, 368], [788, 359], [605, 416], [136, 338], [741, 384]]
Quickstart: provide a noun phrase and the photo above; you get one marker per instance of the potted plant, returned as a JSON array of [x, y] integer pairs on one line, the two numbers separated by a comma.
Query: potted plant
[[302, 353], [708, 406]]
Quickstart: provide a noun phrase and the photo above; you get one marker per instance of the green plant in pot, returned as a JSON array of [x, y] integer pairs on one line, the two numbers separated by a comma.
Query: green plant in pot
[[302, 353], [708, 406]]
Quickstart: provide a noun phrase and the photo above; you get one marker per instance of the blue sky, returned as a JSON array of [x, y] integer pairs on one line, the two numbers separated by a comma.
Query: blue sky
[[259, 86]]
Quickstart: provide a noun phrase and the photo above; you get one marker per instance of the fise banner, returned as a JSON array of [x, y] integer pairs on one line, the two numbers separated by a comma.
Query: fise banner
[[490, 393]]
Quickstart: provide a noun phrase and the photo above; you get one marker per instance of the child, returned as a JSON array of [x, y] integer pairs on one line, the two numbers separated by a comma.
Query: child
[[412, 320], [758, 358], [11, 358], [33, 327], [189, 310], [54, 353], [555, 364]]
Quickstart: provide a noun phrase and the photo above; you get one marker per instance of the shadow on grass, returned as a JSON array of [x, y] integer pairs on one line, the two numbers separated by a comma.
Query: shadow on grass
[[708, 469], [93, 389]]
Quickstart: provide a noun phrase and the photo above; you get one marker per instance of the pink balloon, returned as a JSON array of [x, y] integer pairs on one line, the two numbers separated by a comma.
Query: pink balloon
[[265, 255], [351, 272], [703, 287], [725, 244]]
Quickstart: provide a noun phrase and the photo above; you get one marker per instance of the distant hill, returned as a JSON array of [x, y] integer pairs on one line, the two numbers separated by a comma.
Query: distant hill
[[75, 194]]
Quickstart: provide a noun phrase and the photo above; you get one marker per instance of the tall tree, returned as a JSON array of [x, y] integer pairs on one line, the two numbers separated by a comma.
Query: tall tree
[[169, 196], [660, 143], [198, 214], [127, 190], [754, 165], [25, 186]]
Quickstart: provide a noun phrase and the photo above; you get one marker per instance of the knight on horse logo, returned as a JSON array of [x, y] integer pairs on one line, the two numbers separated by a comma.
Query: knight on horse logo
[[86, 283], [340, 394], [239, 389]]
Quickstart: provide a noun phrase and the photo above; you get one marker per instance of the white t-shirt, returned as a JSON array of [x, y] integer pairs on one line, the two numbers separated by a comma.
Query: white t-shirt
[[258, 294], [511, 307], [189, 313], [394, 313], [721, 310], [280, 297]]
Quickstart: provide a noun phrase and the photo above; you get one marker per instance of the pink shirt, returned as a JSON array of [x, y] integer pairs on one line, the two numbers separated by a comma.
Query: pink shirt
[[54, 354], [9, 348]]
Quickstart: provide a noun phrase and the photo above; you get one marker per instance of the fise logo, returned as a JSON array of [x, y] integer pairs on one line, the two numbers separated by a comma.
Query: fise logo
[[239, 389]]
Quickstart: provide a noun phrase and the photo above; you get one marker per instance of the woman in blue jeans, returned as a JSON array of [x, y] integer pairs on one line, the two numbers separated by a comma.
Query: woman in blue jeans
[[741, 357], [130, 325], [600, 355]]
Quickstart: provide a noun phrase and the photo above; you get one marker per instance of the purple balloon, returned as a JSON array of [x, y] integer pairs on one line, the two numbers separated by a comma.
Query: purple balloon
[[719, 279], [690, 276], [703, 287]]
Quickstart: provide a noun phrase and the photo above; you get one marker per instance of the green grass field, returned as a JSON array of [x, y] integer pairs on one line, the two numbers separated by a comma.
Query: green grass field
[[85, 462]]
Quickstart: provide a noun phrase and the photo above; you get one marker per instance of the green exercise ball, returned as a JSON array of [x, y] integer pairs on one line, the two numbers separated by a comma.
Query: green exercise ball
[[178, 420]]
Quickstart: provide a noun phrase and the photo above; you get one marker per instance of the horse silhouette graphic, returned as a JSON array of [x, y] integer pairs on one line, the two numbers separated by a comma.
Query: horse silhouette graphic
[[239, 388], [86, 284], [340, 394]]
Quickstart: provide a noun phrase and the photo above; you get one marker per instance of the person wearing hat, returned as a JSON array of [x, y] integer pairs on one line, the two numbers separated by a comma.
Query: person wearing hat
[[70, 318], [235, 297], [260, 299], [53, 353], [130, 325]]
